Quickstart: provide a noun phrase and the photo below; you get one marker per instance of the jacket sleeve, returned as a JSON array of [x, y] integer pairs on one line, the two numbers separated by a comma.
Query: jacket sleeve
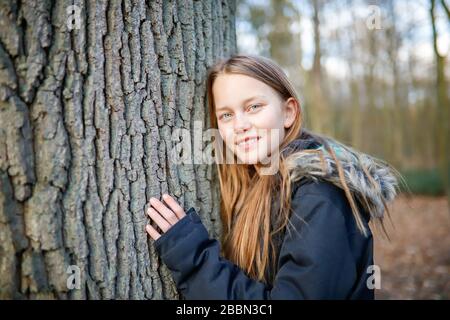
[[315, 259]]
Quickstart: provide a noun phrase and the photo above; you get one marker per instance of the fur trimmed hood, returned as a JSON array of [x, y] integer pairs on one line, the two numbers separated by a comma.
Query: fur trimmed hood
[[372, 182]]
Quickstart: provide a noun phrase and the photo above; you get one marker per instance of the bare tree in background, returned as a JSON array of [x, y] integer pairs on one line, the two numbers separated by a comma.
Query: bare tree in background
[[320, 116], [446, 9], [87, 112], [443, 105]]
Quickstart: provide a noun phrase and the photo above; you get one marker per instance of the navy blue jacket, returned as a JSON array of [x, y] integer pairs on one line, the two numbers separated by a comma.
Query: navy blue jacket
[[326, 258]]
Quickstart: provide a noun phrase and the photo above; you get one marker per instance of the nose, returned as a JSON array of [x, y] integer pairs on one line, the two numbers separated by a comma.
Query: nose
[[241, 123]]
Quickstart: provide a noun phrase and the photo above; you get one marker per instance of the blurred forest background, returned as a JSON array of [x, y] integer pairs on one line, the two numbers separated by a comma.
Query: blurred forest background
[[375, 75]]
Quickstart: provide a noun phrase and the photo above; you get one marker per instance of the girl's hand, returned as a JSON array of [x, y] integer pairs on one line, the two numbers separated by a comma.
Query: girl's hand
[[164, 216]]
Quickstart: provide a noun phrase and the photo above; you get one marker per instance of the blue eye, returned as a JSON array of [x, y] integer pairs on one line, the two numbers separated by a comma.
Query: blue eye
[[225, 115], [254, 107]]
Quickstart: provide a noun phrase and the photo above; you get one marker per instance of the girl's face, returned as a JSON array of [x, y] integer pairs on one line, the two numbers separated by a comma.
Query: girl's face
[[251, 116]]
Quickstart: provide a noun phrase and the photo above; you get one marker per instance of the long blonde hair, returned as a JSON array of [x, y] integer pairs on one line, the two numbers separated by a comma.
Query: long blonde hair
[[249, 223]]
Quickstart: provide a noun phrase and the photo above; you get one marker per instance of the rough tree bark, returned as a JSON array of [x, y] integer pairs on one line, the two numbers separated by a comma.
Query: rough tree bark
[[86, 122]]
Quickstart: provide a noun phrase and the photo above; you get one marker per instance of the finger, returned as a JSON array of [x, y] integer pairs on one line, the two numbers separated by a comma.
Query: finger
[[152, 232], [160, 221], [174, 206], [168, 214]]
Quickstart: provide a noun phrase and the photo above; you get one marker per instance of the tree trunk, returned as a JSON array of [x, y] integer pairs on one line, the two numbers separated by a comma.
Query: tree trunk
[[395, 113], [319, 113], [443, 108], [88, 108]]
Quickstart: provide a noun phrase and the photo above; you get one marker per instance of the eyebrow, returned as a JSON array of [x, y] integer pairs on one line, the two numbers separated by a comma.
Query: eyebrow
[[243, 102]]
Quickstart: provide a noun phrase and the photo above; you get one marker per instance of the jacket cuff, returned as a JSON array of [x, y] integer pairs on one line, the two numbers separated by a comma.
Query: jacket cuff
[[178, 233]]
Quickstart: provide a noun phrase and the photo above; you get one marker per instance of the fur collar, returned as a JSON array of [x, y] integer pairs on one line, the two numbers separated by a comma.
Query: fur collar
[[371, 181]]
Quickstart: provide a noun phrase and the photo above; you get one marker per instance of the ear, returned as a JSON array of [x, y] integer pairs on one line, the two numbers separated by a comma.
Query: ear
[[290, 111]]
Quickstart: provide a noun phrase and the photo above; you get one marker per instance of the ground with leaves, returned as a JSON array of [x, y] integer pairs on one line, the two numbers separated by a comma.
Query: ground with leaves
[[415, 263]]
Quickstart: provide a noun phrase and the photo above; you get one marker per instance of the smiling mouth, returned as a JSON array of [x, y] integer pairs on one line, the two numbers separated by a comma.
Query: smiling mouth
[[247, 143]]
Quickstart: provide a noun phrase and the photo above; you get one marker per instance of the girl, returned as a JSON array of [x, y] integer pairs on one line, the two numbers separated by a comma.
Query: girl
[[300, 233]]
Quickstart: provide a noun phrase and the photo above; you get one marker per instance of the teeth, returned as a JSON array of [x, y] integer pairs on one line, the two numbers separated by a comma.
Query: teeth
[[248, 141]]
